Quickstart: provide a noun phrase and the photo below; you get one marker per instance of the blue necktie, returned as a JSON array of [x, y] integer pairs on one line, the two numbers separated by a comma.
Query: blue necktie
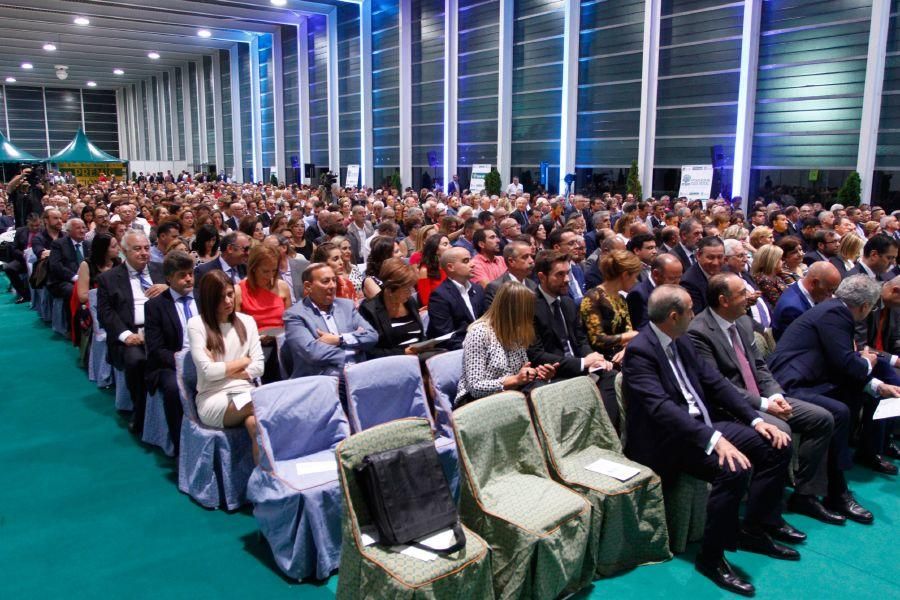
[[186, 305], [145, 284]]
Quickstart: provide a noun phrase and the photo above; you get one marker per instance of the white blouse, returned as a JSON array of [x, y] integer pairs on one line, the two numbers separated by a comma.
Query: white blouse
[[486, 362]]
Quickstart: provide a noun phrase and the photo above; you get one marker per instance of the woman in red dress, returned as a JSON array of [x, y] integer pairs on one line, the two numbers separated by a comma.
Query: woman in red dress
[[430, 273]]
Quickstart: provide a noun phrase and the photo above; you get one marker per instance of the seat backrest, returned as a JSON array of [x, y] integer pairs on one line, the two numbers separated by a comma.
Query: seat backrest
[[494, 437], [285, 361], [352, 451], [99, 333], [299, 417], [444, 372], [570, 417], [186, 375], [385, 389]]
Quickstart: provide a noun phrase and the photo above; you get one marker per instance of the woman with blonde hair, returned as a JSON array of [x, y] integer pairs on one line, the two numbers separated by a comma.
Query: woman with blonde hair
[[766, 271], [422, 235], [263, 294], [494, 350], [760, 236], [849, 252]]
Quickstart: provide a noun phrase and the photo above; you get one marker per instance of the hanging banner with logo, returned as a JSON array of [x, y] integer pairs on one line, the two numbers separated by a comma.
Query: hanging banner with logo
[[90, 172], [352, 176], [696, 182], [479, 172]]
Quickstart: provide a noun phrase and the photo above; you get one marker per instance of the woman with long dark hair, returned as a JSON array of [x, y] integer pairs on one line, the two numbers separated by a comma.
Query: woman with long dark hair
[[103, 257], [206, 244], [381, 249], [430, 273], [226, 351]]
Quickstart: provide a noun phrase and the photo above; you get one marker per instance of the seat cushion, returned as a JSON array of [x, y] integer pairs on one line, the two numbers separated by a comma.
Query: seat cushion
[[572, 469], [533, 503]]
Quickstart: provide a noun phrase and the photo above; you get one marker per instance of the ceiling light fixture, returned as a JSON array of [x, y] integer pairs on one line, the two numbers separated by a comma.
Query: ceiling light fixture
[[204, 33], [49, 47], [10, 80], [153, 55], [118, 72], [27, 66], [82, 21], [92, 84], [279, 2]]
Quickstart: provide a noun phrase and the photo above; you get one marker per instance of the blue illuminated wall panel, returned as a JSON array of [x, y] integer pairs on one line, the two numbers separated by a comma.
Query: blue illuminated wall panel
[[179, 111], [317, 32], [227, 133], [291, 99], [888, 154], [267, 100], [246, 89], [385, 88], [348, 86], [427, 22], [195, 111], [210, 141]]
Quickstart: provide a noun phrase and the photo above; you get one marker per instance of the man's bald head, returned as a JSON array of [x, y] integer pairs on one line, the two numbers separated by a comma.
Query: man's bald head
[[821, 281], [890, 293]]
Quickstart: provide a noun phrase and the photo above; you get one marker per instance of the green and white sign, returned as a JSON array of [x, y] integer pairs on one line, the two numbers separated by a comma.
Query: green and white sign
[[479, 172]]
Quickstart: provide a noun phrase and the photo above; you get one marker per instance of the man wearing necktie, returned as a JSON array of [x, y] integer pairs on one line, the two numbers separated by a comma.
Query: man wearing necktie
[[66, 254], [235, 250], [683, 416], [122, 294]]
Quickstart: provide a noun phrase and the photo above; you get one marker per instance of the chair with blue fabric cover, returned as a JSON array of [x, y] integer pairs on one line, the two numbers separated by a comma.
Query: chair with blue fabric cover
[[45, 301], [374, 571], [123, 397], [629, 516], [285, 366], [539, 531], [99, 369], [58, 319], [444, 372], [300, 423], [685, 498], [373, 399], [156, 429], [214, 465]]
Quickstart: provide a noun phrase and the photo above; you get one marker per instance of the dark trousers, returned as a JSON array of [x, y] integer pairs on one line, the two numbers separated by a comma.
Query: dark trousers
[[839, 459], [15, 272], [167, 385], [766, 485], [815, 426], [136, 382], [607, 386]]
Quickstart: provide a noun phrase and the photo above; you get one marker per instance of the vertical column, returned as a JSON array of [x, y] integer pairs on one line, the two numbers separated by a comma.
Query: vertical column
[[121, 130], [46, 121], [161, 107], [871, 112], [188, 126], [217, 112], [303, 79], [152, 119], [136, 125], [504, 93], [451, 88], [334, 142], [235, 91], [365, 93], [569, 112], [201, 113], [254, 100], [649, 72], [173, 117], [278, 103], [6, 114], [81, 105], [746, 109], [405, 132]]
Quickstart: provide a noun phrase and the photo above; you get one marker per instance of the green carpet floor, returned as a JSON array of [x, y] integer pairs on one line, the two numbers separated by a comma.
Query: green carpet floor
[[87, 512]]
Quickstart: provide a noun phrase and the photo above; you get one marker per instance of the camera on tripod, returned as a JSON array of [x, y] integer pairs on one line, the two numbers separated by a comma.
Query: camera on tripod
[[36, 175]]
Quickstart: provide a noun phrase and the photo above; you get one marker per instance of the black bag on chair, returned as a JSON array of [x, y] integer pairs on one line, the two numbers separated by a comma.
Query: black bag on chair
[[408, 496], [39, 274]]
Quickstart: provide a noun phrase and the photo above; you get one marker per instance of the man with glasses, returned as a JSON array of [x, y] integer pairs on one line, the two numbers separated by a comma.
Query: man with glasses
[[235, 249], [737, 261], [826, 244], [101, 224]]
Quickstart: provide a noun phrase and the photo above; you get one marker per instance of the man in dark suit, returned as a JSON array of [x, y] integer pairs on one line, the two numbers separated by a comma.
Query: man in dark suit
[[723, 335], [685, 417], [816, 360], [266, 216], [664, 270], [826, 245], [165, 334], [818, 285], [519, 267], [758, 310], [17, 268], [52, 229], [122, 293], [643, 245], [457, 302], [237, 211], [521, 212], [235, 249], [710, 259], [453, 186], [690, 232], [66, 253]]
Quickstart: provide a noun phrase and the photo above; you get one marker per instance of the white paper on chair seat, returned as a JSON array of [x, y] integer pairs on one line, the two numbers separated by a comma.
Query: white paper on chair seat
[[240, 399], [369, 535], [322, 466], [887, 408], [612, 469], [423, 555], [440, 541]]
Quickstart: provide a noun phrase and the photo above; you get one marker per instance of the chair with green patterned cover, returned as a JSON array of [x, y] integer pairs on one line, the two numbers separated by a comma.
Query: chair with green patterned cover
[[376, 571], [685, 498], [539, 531], [629, 516]]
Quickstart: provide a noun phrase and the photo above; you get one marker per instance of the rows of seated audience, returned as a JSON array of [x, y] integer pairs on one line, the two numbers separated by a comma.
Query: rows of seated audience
[[721, 345]]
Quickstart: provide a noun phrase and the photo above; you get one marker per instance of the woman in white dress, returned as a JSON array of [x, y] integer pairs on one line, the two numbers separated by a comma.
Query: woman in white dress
[[226, 350]]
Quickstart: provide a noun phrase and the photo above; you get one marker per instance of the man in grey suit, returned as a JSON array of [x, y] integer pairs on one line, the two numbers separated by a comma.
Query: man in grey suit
[[324, 333], [723, 335], [519, 259]]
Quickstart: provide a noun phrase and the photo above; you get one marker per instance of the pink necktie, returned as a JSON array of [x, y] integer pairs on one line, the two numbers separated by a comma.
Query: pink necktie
[[743, 364]]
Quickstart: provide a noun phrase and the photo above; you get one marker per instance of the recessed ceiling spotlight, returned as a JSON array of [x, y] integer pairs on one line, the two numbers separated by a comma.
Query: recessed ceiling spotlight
[[82, 21], [118, 72], [279, 2], [10, 80], [49, 47], [92, 84], [204, 33], [153, 55], [27, 66]]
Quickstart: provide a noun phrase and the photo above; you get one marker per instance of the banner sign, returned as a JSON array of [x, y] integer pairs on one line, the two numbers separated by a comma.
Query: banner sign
[[352, 176], [90, 172], [476, 185], [696, 182]]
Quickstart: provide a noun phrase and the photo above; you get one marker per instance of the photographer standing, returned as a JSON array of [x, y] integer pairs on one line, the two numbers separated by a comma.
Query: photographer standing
[[24, 192]]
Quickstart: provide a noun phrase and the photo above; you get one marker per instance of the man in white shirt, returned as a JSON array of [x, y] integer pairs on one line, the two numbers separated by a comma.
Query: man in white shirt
[[515, 188]]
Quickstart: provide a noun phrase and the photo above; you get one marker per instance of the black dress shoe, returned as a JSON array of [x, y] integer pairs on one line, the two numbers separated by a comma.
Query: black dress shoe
[[847, 505], [892, 451], [720, 572], [786, 533], [21, 300], [877, 464], [758, 541], [812, 507]]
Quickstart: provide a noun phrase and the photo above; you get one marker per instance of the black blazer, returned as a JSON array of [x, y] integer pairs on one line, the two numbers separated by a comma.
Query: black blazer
[[696, 284], [838, 262], [678, 251], [63, 263], [20, 244], [42, 241], [491, 289], [115, 307], [637, 303], [375, 312], [521, 217], [214, 265], [163, 336], [658, 423], [549, 345], [447, 312]]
